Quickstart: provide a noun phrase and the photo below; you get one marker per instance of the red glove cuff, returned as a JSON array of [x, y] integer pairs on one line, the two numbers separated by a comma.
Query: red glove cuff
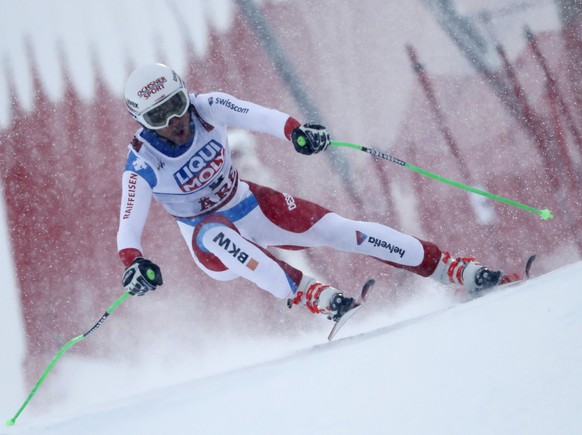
[[128, 255], [291, 125]]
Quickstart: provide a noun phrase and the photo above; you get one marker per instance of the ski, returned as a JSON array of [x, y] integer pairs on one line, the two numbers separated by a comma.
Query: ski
[[525, 275], [359, 302]]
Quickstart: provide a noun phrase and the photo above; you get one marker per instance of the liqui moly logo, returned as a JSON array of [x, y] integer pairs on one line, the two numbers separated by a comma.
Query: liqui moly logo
[[378, 243], [201, 168]]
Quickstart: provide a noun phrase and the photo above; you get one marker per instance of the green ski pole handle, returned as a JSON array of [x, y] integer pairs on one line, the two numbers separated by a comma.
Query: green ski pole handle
[[10, 422], [544, 214]]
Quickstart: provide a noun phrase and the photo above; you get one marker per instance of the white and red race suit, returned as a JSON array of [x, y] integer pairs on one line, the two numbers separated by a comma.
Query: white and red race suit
[[228, 222]]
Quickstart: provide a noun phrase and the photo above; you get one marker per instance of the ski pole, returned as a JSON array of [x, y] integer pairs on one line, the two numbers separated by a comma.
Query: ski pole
[[545, 214], [10, 422]]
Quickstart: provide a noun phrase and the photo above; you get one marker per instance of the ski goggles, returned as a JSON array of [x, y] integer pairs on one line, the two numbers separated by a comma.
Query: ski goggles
[[159, 116]]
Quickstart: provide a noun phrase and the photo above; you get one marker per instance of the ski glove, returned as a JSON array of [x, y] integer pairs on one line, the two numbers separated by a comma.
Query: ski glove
[[310, 138], [141, 276]]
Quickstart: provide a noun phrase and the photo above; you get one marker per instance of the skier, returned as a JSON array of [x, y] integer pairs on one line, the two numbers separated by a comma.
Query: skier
[[181, 157]]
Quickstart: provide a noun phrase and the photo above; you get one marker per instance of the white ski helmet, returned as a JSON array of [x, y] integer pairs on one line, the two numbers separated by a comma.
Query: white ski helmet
[[154, 94]]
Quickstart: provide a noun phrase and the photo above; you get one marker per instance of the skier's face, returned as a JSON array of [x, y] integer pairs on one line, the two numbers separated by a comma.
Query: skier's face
[[178, 130]]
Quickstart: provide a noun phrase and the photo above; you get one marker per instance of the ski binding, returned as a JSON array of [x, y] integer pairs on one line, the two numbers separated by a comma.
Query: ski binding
[[359, 302]]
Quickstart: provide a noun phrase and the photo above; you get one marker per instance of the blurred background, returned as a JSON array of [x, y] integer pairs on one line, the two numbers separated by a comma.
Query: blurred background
[[486, 93]]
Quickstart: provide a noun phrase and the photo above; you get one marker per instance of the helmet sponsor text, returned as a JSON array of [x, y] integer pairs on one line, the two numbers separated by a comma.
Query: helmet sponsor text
[[152, 87]]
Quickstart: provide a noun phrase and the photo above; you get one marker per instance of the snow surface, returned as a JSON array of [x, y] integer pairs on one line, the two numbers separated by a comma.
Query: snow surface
[[508, 363]]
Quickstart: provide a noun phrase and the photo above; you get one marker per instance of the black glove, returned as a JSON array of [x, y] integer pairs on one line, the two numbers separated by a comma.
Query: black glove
[[310, 138], [141, 276]]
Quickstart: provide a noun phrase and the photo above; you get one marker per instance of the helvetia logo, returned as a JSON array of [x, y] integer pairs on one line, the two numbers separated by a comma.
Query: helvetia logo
[[360, 237], [379, 243]]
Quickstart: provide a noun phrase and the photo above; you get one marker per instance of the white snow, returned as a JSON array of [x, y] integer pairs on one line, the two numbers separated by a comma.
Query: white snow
[[508, 363]]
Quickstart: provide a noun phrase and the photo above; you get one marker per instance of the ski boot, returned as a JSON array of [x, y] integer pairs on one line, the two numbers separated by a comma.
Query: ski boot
[[470, 274], [321, 299]]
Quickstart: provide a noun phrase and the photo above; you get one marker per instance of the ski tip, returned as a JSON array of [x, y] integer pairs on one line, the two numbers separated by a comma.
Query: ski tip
[[367, 286], [528, 264], [10, 422]]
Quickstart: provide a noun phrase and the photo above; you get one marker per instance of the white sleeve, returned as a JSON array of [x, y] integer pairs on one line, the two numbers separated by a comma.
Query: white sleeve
[[218, 107], [136, 198]]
